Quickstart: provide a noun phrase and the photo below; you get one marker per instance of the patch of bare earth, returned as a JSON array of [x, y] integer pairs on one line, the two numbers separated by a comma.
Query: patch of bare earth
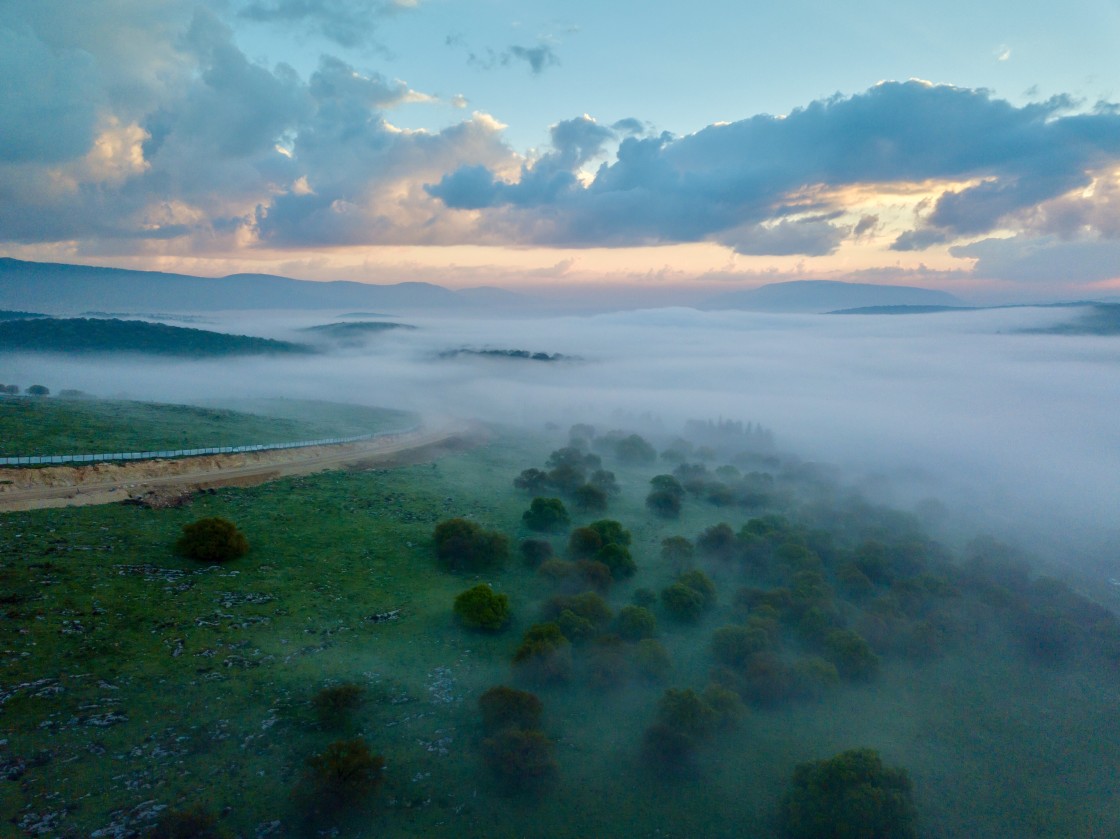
[[166, 483]]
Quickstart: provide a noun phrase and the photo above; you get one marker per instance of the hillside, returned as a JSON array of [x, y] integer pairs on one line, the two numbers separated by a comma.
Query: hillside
[[828, 296], [66, 289], [86, 335]]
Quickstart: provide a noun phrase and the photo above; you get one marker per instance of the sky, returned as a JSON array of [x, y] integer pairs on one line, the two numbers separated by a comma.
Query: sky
[[969, 147]]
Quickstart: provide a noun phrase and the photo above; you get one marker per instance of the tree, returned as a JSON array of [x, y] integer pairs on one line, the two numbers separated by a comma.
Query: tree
[[664, 504], [590, 499], [718, 540], [521, 759], [212, 539], [635, 450], [334, 704], [849, 796], [38, 390], [604, 480], [677, 551], [535, 551], [682, 603], [346, 771], [481, 608], [462, 545], [546, 514], [505, 707], [545, 655], [636, 623], [617, 558], [532, 480]]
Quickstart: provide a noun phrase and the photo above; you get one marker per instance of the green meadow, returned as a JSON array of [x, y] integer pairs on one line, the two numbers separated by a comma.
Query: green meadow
[[45, 426], [135, 682]]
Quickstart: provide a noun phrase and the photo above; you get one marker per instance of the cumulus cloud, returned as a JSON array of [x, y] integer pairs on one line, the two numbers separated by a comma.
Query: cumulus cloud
[[730, 176], [1044, 259], [48, 101]]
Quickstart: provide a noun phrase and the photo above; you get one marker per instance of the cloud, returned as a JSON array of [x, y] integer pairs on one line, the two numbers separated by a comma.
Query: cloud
[[730, 176], [808, 236], [538, 57], [1045, 259], [348, 23], [48, 101]]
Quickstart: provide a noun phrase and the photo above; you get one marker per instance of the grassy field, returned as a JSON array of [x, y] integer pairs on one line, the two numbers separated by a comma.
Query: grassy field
[[33, 426], [132, 679]]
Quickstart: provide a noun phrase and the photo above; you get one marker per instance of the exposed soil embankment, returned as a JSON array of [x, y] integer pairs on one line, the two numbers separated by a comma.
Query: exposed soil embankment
[[161, 481]]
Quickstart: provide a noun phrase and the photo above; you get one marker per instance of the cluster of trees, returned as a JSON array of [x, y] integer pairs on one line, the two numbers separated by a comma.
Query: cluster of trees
[[463, 545], [89, 335], [726, 487], [685, 720], [33, 390], [516, 750], [575, 474]]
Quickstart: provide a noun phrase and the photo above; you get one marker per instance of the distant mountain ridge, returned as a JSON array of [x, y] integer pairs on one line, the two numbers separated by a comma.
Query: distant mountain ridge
[[828, 296], [61, 288]]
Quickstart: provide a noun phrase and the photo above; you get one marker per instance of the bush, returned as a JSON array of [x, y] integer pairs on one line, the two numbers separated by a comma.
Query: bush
[[636, 623], [346, 771], [702, 584], [535, 551], [532, 480], [212, 539], [851, 654], [850, 796], [589, 606], [545, 654], [546, 514], [505, 707], [462, 545], [481, 608], [520, 759], [813, 677], [333, 704], [652, 659], [734, 645], [682, 603], [617, 558], [590, 499], [584, 543], [193, 823], [664, 504], [635, 450]]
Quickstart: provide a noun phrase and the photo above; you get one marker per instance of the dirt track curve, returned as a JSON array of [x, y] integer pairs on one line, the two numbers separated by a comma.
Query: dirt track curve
[[153, 480]]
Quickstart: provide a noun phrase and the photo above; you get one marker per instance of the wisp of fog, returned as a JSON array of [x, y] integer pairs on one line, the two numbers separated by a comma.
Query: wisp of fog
[[1016, 431]]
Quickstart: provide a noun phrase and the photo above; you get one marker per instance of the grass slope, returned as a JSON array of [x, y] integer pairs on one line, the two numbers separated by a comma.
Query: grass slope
[[133, 678], [93, 335], [90, 426]]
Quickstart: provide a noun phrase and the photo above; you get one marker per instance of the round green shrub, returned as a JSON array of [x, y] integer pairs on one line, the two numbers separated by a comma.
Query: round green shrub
[[850, 796], [506, 707], [546, 514], [682, 603], [481, 608], [212, 539], [636, 623]]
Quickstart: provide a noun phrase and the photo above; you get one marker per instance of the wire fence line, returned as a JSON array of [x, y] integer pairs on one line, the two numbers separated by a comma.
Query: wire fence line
[[38, 460]]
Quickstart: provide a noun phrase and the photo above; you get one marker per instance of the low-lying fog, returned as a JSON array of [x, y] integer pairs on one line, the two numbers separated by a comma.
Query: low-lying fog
[[1015, 432]]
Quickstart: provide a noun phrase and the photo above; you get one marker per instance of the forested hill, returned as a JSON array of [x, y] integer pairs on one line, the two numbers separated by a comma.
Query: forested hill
[[89, 335]]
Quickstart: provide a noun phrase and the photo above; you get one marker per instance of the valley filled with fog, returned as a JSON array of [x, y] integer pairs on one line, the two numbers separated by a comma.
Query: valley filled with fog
[[1011, 431]]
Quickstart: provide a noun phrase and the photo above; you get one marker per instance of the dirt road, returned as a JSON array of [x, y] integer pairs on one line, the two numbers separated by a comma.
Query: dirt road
[[160, 482]]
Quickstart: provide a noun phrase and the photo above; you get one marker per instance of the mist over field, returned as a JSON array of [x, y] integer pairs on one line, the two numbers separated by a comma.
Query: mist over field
[[1013, 433]]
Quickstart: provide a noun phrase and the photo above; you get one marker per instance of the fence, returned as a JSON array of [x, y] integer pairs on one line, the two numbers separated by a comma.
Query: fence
[[38, 460]]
